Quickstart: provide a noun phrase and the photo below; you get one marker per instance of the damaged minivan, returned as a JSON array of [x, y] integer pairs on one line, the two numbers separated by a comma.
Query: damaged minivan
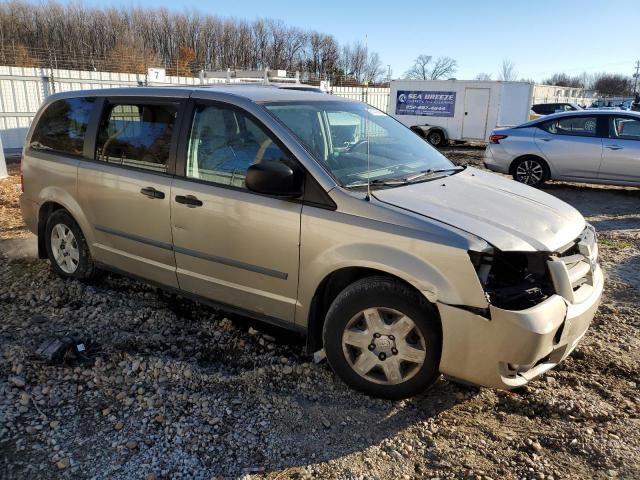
[[319, 214]]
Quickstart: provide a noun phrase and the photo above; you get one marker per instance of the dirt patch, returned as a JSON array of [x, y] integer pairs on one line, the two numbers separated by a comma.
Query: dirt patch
[[11, 224]]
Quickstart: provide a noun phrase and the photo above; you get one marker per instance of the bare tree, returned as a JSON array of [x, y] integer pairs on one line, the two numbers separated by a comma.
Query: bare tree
[[508, 72], [421, 68], [354, 61], [374, 71], [133, 39], [443, 67], [426, 68], [564, 80], [587, 80], [484, 77], [612, 84]]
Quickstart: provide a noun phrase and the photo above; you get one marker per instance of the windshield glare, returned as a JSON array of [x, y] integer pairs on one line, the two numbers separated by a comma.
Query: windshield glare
[[342, 135]]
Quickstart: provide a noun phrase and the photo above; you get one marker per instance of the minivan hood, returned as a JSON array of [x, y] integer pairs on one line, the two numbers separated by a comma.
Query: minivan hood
[[507, 214]]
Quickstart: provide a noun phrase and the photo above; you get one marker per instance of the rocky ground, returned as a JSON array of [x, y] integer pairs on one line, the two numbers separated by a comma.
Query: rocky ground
[[167, 388]]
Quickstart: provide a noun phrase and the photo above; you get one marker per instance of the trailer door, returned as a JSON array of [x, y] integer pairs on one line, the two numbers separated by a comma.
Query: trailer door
[[476, 109]]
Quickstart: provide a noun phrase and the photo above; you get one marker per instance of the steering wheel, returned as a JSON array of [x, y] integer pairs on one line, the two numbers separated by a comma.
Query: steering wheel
[[262, 150], [357, 145], [107, 143]]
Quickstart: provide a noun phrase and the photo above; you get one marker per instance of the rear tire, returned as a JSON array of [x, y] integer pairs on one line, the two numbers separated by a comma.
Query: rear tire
[[67, 248], [383, 338], [436, 138], [530, 170]]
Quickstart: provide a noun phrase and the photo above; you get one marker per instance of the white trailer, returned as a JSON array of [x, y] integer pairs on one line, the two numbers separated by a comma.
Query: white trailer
[[460, 110]]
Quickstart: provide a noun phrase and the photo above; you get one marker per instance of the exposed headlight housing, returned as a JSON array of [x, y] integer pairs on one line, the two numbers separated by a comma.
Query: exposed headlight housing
[[513, 280]]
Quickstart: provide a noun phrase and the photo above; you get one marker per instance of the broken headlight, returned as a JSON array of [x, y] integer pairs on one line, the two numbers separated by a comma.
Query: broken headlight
[[513, 280]]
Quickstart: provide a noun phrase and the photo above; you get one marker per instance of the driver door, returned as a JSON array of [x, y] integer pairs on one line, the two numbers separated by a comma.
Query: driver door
[[232, 245], [572, 145]]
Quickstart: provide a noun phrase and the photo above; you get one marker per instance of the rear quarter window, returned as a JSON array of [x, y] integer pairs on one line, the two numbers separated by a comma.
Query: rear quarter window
[[62, 126]]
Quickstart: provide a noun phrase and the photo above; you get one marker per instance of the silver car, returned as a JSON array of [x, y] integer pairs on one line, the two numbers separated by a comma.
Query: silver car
[[583, 146], [318, 214]]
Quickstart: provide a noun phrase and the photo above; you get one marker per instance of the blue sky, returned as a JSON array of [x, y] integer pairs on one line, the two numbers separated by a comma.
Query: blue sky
[[541, 36]]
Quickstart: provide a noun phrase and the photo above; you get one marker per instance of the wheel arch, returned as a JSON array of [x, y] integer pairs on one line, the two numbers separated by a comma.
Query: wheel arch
[[424, 130], [46, 209], [330, 287], [512, 166], [57, 199]]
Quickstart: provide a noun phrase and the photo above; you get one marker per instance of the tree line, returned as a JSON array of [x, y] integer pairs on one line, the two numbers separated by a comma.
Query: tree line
[[133, 39], [607, 84]]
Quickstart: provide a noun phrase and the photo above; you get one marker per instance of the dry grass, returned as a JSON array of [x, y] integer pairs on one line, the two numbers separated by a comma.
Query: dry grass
[[11, 224]]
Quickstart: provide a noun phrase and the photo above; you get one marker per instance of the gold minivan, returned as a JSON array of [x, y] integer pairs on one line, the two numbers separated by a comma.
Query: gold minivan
[[319, 214]]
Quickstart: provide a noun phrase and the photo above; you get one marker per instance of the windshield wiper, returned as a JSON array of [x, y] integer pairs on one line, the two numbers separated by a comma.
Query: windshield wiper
[[430, 172], [377, 183]]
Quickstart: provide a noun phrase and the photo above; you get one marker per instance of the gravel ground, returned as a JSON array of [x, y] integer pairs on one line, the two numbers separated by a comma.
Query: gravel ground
[[168, 388]]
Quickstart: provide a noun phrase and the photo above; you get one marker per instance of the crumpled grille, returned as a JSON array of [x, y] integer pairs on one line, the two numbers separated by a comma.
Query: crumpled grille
[[572, 269]]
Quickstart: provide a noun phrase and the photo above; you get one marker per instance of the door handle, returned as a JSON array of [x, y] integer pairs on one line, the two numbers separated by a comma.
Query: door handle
[[614, 147], [152, 192], [188, 200], [546, 139]]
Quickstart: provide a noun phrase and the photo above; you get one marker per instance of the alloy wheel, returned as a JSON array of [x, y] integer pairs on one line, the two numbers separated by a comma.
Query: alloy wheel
[[529, 172]]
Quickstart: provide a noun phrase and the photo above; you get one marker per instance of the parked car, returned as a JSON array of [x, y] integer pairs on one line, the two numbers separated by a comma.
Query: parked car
[[595, 146], [319, 214], [549, 108]]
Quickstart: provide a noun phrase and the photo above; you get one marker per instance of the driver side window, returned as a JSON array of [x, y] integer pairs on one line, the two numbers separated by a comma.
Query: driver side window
[[224, 142]]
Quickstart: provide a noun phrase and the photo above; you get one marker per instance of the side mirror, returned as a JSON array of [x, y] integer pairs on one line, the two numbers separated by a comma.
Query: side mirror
[[274, 178]]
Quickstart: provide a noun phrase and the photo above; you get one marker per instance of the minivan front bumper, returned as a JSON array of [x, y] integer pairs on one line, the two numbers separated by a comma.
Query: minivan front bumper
[[514, 347]]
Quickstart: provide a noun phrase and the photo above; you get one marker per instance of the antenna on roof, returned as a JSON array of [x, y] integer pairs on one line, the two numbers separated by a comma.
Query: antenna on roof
[[366, 134], [366, 130]]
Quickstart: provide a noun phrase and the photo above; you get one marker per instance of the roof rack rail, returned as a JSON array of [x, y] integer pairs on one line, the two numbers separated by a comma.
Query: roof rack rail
[[265, 76]]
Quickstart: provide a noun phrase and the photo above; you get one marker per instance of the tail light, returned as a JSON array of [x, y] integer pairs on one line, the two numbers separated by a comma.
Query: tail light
[[496, 137]]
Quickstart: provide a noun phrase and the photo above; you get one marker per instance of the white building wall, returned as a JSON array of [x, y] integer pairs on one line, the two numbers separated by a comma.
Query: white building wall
[[377, 97], [558, 94]]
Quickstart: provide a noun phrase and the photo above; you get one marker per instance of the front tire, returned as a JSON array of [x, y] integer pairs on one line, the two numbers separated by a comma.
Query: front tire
[[532, 171], [67, 248], [383, 338]]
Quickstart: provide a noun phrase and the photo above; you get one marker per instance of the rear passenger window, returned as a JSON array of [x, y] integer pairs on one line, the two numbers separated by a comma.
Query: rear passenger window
[[62, 126], [625, 128], [137, 135]]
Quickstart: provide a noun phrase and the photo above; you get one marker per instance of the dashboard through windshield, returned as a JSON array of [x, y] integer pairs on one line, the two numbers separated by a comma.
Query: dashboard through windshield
[[349, 139]]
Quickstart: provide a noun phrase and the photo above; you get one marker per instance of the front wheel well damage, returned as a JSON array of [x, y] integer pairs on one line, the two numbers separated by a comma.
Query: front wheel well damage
[[328, 290], [46, 209]]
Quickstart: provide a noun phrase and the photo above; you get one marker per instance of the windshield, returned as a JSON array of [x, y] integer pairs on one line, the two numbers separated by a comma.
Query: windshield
[[342, 135]]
